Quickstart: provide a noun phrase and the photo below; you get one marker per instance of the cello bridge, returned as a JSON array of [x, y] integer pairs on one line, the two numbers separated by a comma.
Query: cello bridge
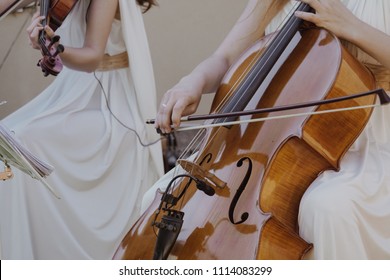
[[198, 172]]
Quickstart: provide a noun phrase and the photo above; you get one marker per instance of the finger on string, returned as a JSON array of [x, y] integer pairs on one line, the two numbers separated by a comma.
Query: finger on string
[[33, 36], [34, 23]]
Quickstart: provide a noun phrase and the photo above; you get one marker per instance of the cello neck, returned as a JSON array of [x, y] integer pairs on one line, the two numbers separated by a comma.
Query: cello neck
[[262, 67]]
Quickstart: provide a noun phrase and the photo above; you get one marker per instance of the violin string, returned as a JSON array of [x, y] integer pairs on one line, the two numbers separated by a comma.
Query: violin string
[[44, 10]]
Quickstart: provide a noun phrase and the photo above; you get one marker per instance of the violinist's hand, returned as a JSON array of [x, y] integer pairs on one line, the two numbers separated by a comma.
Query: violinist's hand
[[181, 100], [35, 28], [333, 16]]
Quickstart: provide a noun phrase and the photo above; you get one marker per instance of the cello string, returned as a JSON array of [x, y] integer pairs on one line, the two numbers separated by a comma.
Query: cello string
[[258, 55], [288, 30], [241, 83], [194, 146]]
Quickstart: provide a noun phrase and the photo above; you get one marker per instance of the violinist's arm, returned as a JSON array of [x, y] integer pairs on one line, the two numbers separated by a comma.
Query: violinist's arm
[[100, 17], [99, 20], [335, 17]]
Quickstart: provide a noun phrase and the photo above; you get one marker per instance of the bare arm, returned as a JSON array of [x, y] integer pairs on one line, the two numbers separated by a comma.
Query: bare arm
[[100, 17], [99, 20]]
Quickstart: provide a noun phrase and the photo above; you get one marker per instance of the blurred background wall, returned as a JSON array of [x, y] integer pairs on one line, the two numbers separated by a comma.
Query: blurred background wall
[[181, 33]]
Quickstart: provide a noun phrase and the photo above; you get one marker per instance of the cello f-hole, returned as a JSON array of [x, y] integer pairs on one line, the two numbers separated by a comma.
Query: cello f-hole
[[240, 190]]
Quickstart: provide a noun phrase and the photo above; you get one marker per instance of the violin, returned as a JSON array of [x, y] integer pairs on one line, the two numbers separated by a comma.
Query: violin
[[238, 195], [55, 12]]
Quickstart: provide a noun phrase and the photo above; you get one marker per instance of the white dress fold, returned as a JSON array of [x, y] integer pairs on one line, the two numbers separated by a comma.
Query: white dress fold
[[101, 168]]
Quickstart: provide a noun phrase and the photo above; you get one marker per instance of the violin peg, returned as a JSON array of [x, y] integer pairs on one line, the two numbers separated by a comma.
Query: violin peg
[[55, 39], [60, 48]]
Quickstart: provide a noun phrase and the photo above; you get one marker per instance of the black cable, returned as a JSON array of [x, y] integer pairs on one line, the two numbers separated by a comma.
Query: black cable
[[119, 121], [101, 86]]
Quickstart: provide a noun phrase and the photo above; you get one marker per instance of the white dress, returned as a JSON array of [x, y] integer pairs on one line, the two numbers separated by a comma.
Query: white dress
[[346, 214], [101, 168]]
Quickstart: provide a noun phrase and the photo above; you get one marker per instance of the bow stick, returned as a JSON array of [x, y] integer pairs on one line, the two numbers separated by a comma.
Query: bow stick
[[381, 93]]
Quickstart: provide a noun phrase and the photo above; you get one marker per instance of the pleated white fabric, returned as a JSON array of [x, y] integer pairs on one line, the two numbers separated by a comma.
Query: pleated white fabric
[[346, 214], [101, 168]]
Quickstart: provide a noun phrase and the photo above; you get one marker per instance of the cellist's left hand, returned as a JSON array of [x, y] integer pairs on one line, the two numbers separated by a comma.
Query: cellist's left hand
[[333, 16], [338, 19]]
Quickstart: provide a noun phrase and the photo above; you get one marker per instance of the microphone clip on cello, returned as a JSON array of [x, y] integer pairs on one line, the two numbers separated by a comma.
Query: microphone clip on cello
[[169, 226], [171, 223]]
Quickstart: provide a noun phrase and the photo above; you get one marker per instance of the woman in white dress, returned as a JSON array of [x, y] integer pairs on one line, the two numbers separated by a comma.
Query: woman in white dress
[[345, 214], [88, 124]]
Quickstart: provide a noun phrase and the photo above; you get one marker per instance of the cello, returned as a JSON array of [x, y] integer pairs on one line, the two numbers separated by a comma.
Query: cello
[[55, 12], [239, 195]]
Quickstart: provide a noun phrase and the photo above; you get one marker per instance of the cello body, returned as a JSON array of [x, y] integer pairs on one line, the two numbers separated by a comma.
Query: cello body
[[264, 168]]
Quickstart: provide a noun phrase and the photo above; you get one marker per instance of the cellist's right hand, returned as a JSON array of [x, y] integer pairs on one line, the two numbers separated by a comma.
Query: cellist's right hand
[[184, 98], [181, 100]]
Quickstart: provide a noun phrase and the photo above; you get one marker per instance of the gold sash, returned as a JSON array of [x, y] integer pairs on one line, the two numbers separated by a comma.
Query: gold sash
[[113, 62]]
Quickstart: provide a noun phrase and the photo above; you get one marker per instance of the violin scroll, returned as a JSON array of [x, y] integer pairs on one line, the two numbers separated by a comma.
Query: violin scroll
[[55, 13], [51, 63]]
